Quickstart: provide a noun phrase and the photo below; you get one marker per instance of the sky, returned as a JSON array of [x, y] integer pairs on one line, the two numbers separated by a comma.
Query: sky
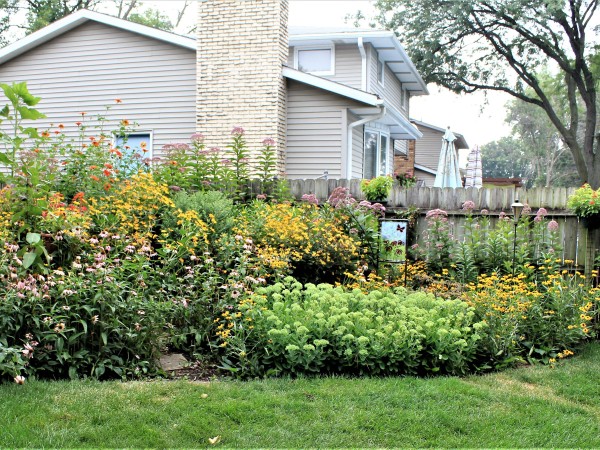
[[478, 118]]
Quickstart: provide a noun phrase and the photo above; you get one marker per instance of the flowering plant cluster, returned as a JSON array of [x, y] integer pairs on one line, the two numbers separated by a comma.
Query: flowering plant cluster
[[291, 328], [406, 179], [585, 201]]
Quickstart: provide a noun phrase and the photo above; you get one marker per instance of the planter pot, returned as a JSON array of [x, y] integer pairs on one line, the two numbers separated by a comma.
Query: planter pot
[[591, 222]]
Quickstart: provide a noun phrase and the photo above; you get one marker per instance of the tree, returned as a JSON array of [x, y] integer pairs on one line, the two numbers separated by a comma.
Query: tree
[[152, 18], [550, 160], [500, 45], [505, 158], [43, 12]]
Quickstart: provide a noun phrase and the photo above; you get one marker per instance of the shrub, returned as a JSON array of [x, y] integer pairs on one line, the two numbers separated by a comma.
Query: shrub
[[214, 208], [584, 201], [377, 189], [302, 240], [533, 320], [288, 328]]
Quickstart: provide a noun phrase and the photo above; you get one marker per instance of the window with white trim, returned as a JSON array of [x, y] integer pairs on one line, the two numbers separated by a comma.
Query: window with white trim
[[376, 156], [315, 60], [135, 149]]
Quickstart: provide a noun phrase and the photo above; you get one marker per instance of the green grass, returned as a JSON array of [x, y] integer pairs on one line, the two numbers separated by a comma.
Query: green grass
[[527, 407]]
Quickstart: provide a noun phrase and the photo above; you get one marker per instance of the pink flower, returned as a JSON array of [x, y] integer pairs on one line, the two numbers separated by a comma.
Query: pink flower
[[238, 131], [468, 206], [261, 197], [553, 225], [538, 218], [197, 138], [526, 209], [268, 142], [310, 198], [542, 212], [484, 212], [436, 214]]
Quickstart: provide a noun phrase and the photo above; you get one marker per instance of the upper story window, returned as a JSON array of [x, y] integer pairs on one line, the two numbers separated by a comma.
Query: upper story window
[[380, 71], [315, 60]]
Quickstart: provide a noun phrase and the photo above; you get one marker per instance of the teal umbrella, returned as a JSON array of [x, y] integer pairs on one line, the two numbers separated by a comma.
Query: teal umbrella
[[448, 174]]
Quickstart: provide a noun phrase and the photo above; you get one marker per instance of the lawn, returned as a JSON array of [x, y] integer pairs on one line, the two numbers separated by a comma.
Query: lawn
[[527, 407]]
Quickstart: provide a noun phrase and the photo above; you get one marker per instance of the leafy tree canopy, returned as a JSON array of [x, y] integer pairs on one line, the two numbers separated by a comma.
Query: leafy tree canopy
[[152, 18], [501, 45]]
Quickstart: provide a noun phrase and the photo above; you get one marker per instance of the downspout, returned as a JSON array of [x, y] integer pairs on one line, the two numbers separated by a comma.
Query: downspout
[[351, 127], [363, 57]]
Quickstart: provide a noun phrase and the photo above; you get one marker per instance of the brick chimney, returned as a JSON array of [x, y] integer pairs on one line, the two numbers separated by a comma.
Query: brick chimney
[[242, 45]]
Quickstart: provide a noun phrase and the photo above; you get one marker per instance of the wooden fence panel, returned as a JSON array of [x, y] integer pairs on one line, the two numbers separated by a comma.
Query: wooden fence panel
[[578, 243]]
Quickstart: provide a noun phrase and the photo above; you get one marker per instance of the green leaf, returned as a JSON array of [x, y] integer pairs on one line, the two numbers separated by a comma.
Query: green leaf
[[31, 132], [5, 112], [28, 259], [33, 238], [30, 113], [73, 373], [21, 90], [4, 159], [10, 93]]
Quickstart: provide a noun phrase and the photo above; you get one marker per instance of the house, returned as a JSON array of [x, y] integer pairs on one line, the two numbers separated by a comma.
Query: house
[[421, 157], [335, 101]]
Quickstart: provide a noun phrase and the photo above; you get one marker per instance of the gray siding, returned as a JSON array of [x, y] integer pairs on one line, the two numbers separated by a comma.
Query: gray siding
[[89, 67], [391, 89], [428, 148], [315, 133], [348, 65], [426, 177]]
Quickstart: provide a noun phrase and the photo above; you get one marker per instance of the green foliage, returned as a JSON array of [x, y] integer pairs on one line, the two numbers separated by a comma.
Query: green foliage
[[288, 328], [213, 207], [378, 188], [152, 18], [516, 39], [584, 201]]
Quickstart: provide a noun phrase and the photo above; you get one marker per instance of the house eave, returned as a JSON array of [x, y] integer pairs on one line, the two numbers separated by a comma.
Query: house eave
[[333, 87], [80, 17], [386, 43]]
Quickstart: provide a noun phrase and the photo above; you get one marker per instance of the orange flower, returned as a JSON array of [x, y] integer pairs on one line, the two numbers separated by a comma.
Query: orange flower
[[78, 197], [106, 172], [45, 134], [108, 165], [83, 113], [61, 126], [93, 167], [78, 124], [106, 186], [96, 144], [95, 178], [118, 100], [125, 122]]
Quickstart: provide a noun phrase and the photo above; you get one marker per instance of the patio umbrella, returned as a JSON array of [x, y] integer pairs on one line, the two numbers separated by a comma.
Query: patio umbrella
[[448, 174], [474, 169]]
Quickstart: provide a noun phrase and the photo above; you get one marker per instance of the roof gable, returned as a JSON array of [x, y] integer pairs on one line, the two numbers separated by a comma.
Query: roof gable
[[80, 17]]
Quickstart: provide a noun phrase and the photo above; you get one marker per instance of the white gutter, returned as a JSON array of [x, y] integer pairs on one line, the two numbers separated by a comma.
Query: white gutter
[[349, 140], [363, 57]]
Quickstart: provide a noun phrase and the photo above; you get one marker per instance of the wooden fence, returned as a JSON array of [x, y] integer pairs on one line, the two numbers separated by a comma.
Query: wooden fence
[[579, 244]]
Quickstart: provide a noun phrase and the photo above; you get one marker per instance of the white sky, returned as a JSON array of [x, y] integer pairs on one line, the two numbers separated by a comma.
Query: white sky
[[480, 120]]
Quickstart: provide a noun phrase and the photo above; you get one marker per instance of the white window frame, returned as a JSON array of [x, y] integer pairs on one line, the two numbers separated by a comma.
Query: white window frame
[[331, 48], [150, 145], [379, 133], [381, 81]]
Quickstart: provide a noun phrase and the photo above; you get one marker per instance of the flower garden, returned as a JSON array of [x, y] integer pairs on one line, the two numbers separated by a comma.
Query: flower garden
[[109, 259]]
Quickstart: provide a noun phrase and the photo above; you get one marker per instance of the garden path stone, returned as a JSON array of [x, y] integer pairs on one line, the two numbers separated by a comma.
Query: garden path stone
[[173, 361]]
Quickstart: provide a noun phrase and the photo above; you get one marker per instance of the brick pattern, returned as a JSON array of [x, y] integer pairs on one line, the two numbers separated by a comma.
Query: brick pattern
[[406, 163], [242, 45]]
